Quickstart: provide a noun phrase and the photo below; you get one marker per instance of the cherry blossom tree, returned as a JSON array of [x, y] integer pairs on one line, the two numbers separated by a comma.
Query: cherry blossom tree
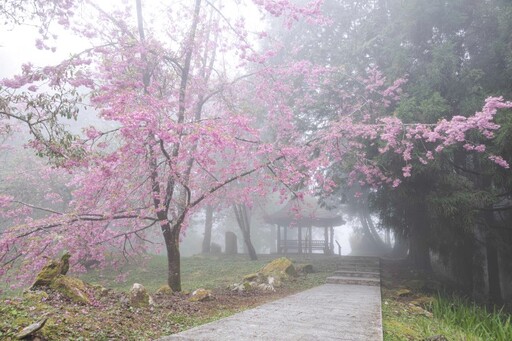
[[183, 94]]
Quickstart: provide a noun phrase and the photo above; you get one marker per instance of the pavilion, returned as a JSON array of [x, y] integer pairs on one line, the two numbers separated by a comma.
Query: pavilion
[[296, 223]]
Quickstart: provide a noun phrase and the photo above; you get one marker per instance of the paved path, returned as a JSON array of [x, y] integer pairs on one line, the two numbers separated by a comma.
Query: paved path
[[327, 312]]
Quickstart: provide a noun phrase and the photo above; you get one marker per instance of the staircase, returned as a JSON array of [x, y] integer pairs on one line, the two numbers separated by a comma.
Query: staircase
[[357, 270]]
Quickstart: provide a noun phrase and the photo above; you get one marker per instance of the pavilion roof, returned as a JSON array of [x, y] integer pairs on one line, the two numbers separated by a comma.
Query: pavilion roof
[[306, 212]]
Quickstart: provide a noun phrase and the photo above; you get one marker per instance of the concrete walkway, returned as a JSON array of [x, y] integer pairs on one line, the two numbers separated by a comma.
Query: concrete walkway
[[327, 312]]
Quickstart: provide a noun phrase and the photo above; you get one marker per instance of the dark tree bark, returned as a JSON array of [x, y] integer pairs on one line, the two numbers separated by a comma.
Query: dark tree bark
[[172, 244], [493, 268], [419, 250], [208, 224], [493, 271], [242, 217]]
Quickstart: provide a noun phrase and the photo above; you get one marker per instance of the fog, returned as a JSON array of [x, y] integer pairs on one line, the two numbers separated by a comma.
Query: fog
[[391, 115]]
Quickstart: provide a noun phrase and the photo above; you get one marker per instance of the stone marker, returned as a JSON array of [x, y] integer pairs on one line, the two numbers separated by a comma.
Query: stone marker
[[231, 243]]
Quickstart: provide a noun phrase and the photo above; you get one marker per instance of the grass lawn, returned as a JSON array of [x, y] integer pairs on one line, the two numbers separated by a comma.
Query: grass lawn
[[210, 272]]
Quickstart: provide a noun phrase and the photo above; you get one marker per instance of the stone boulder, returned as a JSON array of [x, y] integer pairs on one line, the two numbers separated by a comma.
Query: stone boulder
[[29, 330], [280, 268], [139, 297], [53, 276], [164, 290], [200, 295], [269, 277], [73, 288], [51, 270]]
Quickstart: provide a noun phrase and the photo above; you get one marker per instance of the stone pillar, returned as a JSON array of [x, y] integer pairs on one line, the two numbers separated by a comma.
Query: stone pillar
[[300, 239], [231, 243], [279, 239], [326, 240], [285, 239], [332, 239], [310, 239]]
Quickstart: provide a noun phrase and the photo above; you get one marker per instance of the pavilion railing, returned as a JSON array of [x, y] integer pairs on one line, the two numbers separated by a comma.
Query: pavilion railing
[[306, 246]]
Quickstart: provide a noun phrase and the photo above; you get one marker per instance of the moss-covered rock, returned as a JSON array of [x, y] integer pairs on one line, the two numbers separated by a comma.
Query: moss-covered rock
[[73, 288], [423, 301], [51, 270], [29, 330], [403, 292], [164, 290], [139, 296], [250, 277], [281, 268], [201, 295], [35, 295]]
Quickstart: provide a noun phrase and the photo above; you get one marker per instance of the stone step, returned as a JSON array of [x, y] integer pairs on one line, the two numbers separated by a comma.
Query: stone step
[[363, 274], [358, 264], [353, 280], [359, 258], [364, 262], [358, 267]]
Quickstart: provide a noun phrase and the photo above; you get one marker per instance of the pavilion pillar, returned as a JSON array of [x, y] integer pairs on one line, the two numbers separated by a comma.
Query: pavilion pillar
[[332, 239], [300, 239], [285, 239], [278, 239], [326, 239], [310, 239]]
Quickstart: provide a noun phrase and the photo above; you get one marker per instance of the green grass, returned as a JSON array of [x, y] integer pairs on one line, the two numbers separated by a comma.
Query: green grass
[[450, 316], [215, 271], [476, 320]]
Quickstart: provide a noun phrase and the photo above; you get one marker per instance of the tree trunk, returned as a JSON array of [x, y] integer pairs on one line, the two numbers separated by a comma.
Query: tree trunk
[[250, 247], [493, 271], [172, 244], [208, 224], [419, 250], [242, 217]]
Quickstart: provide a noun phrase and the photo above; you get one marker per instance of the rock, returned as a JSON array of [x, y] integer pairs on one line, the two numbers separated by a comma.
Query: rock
[[139, 296], [423, 301], [35, 295], [266, 287], [72, 288], [200, 295], [417, 310], [100, 289], [231, 243], [241, 287], [281, 268], [250, 277], [51, 270], [164, 290], [304, 268], [403, 292], [34, 327]]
